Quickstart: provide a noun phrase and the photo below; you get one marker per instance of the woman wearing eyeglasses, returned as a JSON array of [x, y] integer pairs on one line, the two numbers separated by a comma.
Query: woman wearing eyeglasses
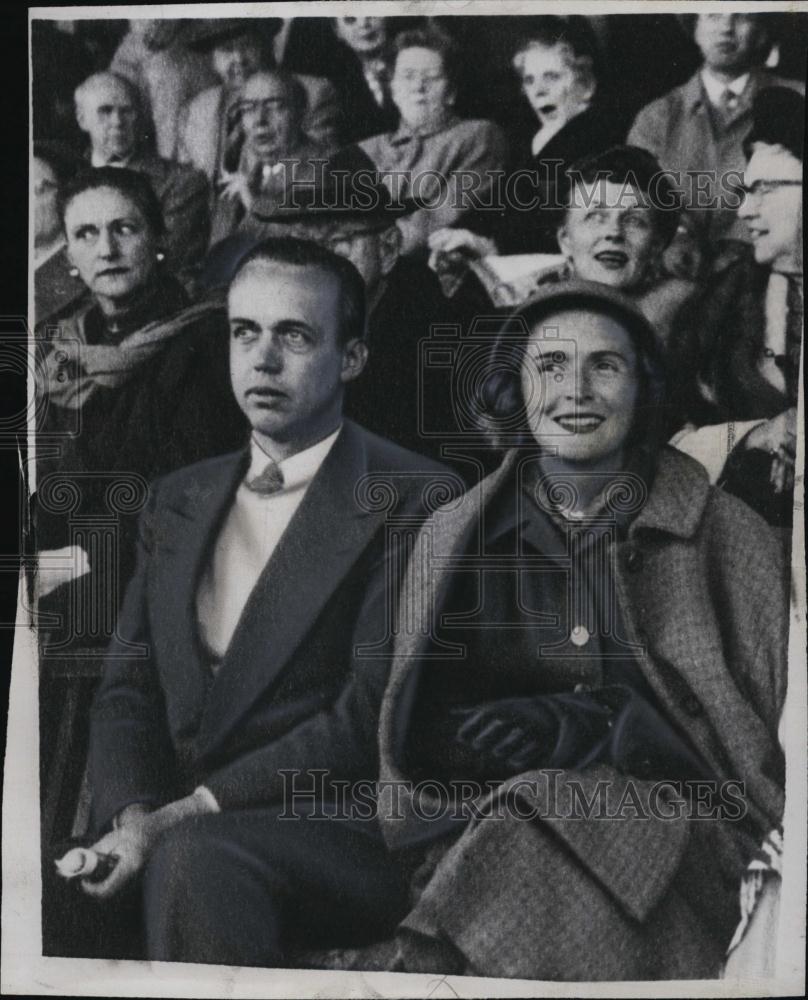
[[432, 148], [737, 351]]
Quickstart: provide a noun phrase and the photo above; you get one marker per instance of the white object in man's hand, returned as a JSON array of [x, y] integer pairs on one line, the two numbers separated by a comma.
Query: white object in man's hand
[[133, 840], [56, 567]]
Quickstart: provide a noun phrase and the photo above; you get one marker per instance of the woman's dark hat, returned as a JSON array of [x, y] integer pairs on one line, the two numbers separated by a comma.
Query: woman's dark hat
[[778, 119]]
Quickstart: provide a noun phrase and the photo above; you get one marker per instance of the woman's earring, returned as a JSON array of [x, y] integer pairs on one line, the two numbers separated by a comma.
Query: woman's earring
[[160, 255], [74, 272]]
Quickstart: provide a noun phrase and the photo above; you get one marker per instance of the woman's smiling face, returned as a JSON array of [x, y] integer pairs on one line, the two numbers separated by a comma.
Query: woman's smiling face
[[580, 384]]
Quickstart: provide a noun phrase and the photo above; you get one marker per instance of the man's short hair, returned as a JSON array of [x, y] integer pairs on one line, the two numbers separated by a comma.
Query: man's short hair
[[131, 184], [436, 40], [294, 90], [86, 86], [635, 166], [572, 34], [306, 253]]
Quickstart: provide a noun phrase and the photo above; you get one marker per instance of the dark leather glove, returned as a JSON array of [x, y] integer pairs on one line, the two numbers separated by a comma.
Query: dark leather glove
[[515, 734], [642, 743]]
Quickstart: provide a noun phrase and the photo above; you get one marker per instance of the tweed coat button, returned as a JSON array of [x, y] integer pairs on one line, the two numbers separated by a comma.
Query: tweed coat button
[[692, 705], [633, 560]]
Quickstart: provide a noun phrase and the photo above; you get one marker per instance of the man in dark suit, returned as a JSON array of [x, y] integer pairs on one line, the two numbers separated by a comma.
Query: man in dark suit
[[108, 110], [252, 641]]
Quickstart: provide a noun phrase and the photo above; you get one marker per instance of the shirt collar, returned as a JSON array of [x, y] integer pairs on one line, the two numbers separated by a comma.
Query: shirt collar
[[405, 134], [299, 469], [714, 87], [119, 161]]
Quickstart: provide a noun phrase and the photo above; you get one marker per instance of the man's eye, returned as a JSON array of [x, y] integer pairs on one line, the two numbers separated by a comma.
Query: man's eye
[[607, 366], [86, 233], [528, 80], [242, 333], [552, 77], [297, 338], [637, 220], [126, 228]]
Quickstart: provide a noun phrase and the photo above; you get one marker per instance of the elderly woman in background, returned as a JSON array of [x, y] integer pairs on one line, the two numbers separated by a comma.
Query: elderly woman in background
[[629, 637], [432, 146], [276, 154], [556, 67], [134, 382]]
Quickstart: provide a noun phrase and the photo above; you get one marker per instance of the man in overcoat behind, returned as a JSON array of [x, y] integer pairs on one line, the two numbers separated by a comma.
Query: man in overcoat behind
[[261, 577]]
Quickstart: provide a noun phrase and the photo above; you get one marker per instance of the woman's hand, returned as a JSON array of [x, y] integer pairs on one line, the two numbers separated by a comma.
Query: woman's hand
[[779, 437], [56, 567], [471, 245]]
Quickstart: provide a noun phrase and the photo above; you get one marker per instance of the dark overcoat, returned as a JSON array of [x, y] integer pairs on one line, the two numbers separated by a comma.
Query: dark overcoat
[[294, 689]]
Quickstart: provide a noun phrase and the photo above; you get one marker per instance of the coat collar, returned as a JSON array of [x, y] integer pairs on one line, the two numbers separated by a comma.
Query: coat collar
[[324, 539], [404, 134], [695, 94]]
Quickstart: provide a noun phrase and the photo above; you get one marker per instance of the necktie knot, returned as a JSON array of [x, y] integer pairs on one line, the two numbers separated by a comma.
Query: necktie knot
[[267, 482]]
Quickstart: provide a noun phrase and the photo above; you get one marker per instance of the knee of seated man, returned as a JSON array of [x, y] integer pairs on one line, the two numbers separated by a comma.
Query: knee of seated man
[[191, 855]]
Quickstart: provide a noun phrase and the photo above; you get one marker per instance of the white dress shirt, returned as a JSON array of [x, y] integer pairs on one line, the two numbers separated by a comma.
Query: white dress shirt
[[715, 88], [249, 535], [116, 161]]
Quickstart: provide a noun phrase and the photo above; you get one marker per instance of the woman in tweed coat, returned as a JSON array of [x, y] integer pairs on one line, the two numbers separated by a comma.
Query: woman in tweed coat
[[596, 608]]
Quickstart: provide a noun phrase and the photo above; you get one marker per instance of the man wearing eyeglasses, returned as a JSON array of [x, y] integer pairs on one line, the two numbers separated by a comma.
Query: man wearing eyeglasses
[[739, 349], [276, 152]]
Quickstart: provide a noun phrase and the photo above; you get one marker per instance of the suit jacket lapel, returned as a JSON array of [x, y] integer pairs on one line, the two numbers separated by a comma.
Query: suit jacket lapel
[[323, 540], [186, 535]]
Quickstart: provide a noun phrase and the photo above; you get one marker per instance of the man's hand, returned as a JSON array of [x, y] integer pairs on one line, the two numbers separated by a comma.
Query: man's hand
[[448, 240], [134, 838]]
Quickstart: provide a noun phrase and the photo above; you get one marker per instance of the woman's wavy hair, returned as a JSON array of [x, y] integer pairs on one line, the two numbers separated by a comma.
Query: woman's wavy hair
[[432, 37], [575, 38], [501, 401], [129, 183]]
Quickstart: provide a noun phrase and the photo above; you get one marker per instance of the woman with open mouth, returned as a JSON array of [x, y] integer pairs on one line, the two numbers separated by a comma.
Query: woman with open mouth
[[598, 622]]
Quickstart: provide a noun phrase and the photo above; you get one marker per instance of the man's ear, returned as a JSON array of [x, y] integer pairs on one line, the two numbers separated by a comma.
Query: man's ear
[[81, 118], [563, 240], [354, 359], [389, 249]]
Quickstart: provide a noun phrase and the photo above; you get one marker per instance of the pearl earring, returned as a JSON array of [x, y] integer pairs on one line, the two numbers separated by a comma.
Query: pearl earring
[[74, 272], [160, 255]]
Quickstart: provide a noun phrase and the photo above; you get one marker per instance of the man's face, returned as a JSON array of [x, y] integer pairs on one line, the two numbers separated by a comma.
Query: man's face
[[268, 116], [773, 211], [109, 242], [235, 60], [373, 251], [420, 88], [609, 235], [46, 189], [108, 114], [730, 43], [365, 35], [287, 364], [551, 84], [580, 387]]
